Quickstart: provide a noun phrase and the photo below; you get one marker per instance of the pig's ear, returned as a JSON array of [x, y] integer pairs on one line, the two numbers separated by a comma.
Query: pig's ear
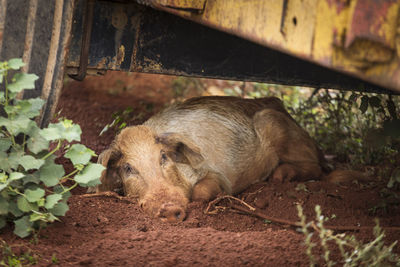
[[183, 149], [110, 178]]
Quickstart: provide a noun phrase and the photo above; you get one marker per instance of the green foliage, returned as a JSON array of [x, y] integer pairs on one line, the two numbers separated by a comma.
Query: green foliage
[[32, 186], [120, 120], [357, 128], [10, 259], [352, 251]]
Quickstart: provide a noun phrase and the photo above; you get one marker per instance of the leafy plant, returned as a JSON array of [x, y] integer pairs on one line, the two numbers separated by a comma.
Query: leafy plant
[[9, 258], [121, 119], [358, 128], [353, 252], [33, 188]]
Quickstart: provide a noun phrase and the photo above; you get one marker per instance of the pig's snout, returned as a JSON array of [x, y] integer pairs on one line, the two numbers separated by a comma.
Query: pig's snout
[[168, 212], [171, 213]]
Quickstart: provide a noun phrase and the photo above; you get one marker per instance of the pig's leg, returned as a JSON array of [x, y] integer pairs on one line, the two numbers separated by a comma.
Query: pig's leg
[[297, 152], [207, 188], [302, 171]]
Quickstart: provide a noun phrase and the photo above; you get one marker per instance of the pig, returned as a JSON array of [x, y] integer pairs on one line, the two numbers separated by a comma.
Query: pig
[[205, 146]]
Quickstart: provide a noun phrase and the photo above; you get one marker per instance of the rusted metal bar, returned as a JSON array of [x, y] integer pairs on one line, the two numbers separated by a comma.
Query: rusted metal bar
[[87, 32]]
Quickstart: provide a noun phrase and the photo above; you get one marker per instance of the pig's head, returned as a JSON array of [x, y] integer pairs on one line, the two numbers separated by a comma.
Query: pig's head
[[143, 165]]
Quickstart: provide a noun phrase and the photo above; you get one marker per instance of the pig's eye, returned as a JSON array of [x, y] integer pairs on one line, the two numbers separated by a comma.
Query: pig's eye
[[164, 157], [129, 170]]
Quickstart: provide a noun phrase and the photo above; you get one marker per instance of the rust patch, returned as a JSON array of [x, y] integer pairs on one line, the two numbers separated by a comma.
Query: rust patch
[[374, 21], [339, 5]]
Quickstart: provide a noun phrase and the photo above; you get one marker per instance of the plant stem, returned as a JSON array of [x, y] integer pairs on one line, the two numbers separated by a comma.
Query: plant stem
[[53, 151], [16, 191], [70, 174], [24, 143], [70, 188]]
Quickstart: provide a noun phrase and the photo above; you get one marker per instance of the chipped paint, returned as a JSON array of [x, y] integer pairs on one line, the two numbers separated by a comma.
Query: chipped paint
[[118, 58], [151, 65], [330, 30]]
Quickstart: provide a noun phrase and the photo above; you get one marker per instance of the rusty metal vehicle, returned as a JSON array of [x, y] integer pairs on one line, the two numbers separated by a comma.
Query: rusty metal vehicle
[[349, 45]]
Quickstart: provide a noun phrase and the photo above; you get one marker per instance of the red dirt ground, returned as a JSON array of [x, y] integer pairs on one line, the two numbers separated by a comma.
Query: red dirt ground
[[108, 231]]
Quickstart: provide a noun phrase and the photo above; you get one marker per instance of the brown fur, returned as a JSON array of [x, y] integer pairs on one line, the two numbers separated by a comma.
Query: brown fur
[[206, 146]]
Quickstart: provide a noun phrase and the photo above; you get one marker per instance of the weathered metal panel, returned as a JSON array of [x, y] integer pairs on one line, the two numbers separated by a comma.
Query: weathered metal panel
[[358, 37], [158, 42], [38, 31], [112, 37]]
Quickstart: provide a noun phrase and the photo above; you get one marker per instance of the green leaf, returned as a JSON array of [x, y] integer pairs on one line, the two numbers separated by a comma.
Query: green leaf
[[90, 175], [37, 143], [3, 222], [24, 205], [51, 173], [59, 209], [364, 104], [51, 133], [22, 81], [79, 154], [34, 193], [3, 177], [13, 208], [16, 176], [3, 185], [62, 130], [29, 108], [9, 161], [32, 178], [5, 144], [3, 206], [37, 217], [52, 200], [30, 163], [72, 132], [15, 63], [15, 126], [23, 227], [59, 190]]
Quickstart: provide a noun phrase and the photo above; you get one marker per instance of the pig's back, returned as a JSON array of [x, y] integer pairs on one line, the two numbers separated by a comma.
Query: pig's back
[[221, 127]]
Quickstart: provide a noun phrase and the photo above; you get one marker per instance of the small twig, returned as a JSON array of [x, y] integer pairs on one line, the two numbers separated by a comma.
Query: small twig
[[218, 199], [109, 194], [261, 215]]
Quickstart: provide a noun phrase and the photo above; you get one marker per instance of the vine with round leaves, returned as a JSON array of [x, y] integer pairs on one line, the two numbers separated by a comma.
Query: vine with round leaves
[[34, 189]]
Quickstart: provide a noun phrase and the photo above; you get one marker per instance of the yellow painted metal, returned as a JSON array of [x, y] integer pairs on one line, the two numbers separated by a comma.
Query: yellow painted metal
[[359, 37], [182, 4]]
